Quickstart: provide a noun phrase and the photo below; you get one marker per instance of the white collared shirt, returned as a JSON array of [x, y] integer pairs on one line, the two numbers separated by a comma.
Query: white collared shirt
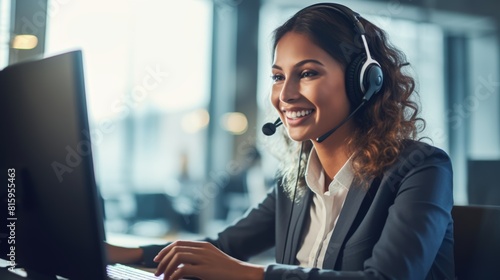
[[324, 211]]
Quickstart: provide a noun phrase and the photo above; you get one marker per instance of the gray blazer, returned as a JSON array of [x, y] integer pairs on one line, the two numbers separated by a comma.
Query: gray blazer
[[398, 228]]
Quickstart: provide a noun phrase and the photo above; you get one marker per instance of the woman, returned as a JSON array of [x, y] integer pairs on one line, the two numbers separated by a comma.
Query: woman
[[370, 202]]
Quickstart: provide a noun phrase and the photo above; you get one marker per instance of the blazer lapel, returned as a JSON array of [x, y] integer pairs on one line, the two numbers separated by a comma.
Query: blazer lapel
[[297, 222], [349, 211]]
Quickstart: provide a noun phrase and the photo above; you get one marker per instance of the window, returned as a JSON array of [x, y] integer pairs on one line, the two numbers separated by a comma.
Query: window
[[427, 65], [147, 68]]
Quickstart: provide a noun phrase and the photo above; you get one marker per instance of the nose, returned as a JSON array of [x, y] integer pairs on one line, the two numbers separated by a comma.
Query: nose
[[289, 91]]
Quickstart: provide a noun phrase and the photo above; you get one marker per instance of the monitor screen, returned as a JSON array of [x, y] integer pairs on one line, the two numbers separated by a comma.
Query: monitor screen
[[483, 187], [51, 221]]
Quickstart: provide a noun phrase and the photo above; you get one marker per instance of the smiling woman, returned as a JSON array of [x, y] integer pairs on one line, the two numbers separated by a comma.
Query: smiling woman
[[365, 200], [378, 127]]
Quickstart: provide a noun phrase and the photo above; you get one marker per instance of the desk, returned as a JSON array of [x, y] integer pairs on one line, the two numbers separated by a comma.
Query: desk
[[112, 238], [5, 274], [118, 239], [19, 274]]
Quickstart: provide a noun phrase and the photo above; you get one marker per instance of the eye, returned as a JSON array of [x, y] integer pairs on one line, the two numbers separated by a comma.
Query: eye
[[277, 77], [308, 74]]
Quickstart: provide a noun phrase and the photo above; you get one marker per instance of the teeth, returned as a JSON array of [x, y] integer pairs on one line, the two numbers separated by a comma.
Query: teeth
[[297, 114]]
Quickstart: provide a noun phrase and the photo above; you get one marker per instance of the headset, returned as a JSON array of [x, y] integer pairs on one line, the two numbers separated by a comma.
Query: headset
[[363, 76]]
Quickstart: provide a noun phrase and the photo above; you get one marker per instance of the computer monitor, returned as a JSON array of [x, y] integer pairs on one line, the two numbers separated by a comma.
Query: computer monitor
[[51, 221], [483, 187]]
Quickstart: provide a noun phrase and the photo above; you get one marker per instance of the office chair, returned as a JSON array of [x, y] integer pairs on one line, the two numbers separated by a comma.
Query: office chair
[[477, 242]]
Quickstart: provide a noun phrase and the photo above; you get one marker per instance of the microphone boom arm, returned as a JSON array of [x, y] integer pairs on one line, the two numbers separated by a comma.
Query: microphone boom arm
[[331, 131]]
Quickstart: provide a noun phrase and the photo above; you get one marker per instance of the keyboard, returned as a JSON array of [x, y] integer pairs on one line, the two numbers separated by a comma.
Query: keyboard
[[123, 272]]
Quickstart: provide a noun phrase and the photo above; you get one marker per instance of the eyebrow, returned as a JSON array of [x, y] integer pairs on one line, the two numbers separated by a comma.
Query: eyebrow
[[300, 63]]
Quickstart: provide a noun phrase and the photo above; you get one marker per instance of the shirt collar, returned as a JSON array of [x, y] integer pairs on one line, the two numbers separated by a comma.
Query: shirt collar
[[315, 175]]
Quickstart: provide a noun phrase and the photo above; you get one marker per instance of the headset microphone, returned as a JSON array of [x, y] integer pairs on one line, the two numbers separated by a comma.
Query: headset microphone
[[270, 128]]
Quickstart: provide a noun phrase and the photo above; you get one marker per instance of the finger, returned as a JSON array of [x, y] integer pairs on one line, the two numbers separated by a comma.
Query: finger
[[163, 252], [178, 255], [181, 260], [185, 243], [168, 254], [187, 270]]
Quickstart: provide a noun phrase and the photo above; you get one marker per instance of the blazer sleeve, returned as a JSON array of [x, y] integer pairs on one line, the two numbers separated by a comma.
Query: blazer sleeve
[[415, 228], [253, 233]]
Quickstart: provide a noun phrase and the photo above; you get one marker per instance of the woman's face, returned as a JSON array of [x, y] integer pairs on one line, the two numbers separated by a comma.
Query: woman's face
[[309, 88]]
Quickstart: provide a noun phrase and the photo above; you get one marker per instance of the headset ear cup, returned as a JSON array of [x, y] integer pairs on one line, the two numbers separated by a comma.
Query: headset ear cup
[[352, 80], [373, 80]]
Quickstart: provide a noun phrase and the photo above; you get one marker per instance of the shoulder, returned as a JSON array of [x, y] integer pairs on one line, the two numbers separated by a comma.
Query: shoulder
[[412, 147], [417, 153], [417, 157]]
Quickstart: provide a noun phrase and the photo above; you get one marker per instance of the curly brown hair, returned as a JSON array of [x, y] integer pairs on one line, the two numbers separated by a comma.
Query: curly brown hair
[[385, 121]]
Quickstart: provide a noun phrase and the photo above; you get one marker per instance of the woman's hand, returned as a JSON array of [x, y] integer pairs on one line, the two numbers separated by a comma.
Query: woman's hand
[[202, 260]]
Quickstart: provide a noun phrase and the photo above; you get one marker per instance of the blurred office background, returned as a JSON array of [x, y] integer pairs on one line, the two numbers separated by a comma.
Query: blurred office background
[[178, 91]]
